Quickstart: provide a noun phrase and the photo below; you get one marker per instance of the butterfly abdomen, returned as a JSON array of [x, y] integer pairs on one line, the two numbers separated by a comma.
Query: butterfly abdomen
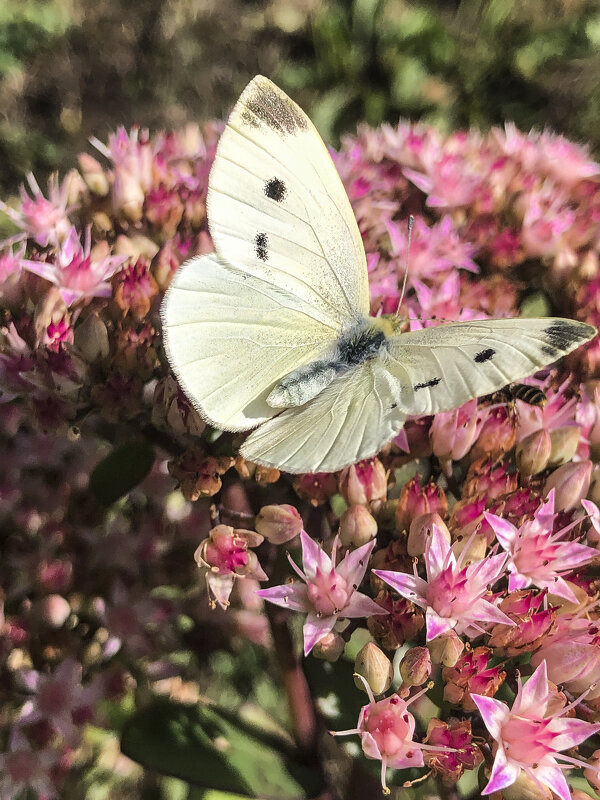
[[302, 384], [356, 345]]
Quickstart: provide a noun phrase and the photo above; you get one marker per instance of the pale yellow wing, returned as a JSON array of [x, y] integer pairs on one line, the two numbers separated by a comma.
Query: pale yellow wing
[[277, 208], [441, 368], [349, 420], [230, 337]]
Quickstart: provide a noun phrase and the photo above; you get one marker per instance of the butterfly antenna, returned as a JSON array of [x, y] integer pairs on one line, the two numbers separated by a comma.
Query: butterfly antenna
[[411, 220]]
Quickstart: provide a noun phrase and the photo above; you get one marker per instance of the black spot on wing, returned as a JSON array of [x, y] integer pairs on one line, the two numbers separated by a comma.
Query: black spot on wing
[[484, 355], [427, 384], [275, 190], [269, 105], [359, 345], [261, 242]]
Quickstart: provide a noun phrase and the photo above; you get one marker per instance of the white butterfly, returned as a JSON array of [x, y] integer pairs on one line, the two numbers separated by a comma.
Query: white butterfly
[[273, 331]]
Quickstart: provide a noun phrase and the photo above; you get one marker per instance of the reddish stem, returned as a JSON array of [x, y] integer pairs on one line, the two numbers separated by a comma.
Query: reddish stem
[[302, 711]]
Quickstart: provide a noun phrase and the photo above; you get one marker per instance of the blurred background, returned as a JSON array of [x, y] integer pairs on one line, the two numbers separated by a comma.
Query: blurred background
[[71, 68]]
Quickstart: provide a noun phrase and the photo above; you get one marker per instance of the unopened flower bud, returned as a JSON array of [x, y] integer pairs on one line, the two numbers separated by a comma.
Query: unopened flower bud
[[446, 649], [498, 432], [91, 338], [526, 788], [453, 433], [93, 174], [533, 452], [329, 648], [128, 194], [565, 441], [416, 500], [76, 189], [420, 530], [415, 667], [357, 526], [375, 667], [136, 247], [570, 482], [278, 523], [364, 483], [315, 487], [53, 610], [266, 475], [591, 775], [476, 549]]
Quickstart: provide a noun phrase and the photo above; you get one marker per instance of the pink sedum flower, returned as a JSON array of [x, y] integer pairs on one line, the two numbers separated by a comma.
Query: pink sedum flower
[[572, 655], [546, 219], [453, 596], [58, 332], [559, 412], [10, 264], [45, 220], [134, 159], [386, 729], [450, 182], [59, 699], [536, 555], [227, 556], [329, 590], [565, 161], [432, 249], [76, 271], [453, 433], [22, 768], [530, 737]]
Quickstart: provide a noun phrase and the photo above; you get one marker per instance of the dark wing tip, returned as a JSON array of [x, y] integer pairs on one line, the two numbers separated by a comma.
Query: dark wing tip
[[564, 335]]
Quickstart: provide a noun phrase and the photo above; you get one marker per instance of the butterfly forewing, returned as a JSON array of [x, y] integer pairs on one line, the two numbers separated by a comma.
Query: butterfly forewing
[[278, 210], [443, 367]]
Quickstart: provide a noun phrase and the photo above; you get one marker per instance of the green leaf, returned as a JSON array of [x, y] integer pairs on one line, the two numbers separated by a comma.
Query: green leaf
[[121, 471], [213, 749], [535, 305]]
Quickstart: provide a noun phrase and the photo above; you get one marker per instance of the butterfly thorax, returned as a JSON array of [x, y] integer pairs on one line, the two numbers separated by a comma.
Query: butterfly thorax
[[361, 342]]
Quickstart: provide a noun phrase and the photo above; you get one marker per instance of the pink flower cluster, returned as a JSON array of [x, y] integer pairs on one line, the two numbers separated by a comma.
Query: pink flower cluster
[[470, 541]]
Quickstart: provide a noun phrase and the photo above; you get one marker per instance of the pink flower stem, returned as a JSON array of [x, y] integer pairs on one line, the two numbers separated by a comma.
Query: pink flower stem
[[302, 712]]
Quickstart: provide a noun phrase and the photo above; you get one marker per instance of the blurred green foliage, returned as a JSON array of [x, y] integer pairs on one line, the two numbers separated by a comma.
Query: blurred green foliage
[[70, 68], [475, 62]]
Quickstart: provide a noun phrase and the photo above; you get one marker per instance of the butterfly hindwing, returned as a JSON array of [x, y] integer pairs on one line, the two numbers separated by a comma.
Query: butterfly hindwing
[[349, 420], [229, 338], [443, 367], [277, 208]]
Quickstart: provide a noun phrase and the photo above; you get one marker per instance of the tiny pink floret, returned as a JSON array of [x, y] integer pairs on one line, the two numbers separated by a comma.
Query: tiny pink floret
[[328, 591], [453, 596], [530, 737]]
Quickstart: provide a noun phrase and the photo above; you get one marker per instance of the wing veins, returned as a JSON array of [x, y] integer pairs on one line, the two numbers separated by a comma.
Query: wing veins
[[311, 194]]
